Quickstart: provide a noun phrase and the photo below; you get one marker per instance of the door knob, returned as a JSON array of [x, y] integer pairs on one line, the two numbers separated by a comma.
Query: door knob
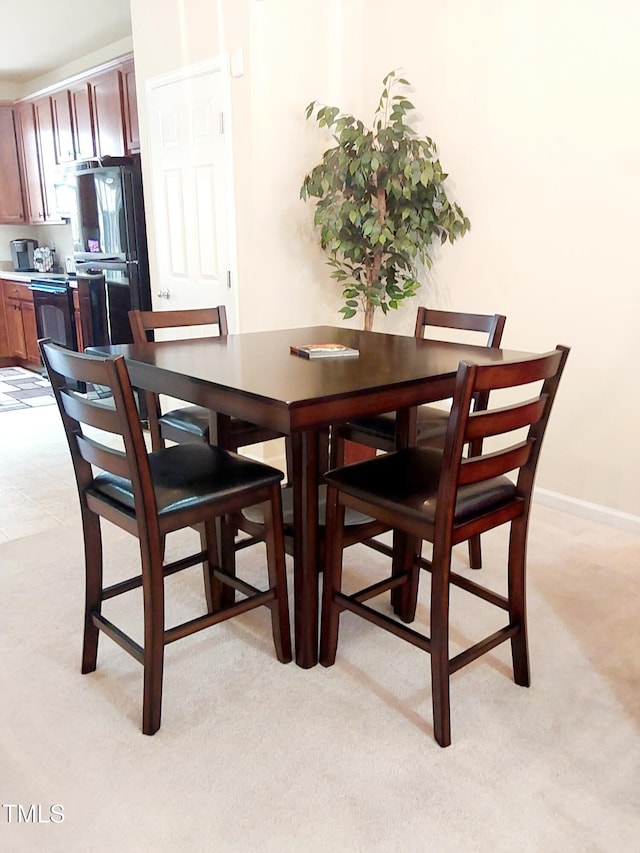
[[163, 294]]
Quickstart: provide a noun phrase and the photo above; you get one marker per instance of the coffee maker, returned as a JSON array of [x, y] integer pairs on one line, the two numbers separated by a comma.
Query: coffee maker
[[22, 254]]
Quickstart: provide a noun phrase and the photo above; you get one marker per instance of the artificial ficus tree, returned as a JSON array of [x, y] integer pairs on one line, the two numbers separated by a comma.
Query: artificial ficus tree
[[381, 203]]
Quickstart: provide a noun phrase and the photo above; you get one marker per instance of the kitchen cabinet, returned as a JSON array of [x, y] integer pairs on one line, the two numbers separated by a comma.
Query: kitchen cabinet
[[82, 121], [93, 115], [48, 164], [20, 319], [38, 155], [73, 123], [130, 107], [11, 200], [30, 157], [108, 119], [63, 140]]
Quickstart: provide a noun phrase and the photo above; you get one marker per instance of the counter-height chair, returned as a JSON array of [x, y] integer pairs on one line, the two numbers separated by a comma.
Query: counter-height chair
[[444, 496], [190, 423], [379, 431], [151, 495]]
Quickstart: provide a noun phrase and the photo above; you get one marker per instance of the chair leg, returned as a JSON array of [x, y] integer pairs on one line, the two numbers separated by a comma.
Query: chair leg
[[227, 594], [440, 647], [475, 552], [274, 541], [336, 448], [153, 593], [517, 600], [93, 587], [404, 599], [332, 578], [209, 544]]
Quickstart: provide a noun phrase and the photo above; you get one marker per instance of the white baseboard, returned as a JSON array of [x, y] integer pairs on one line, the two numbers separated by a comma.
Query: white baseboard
[[586, 509]]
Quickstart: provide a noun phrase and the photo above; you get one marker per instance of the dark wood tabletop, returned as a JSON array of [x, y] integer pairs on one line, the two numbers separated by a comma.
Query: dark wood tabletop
[[254, 376]]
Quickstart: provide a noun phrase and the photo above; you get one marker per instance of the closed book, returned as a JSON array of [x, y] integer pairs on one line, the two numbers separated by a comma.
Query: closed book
[[324, 351]]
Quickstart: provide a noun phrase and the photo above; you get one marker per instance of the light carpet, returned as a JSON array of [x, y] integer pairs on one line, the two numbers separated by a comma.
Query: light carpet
[[256, 756]]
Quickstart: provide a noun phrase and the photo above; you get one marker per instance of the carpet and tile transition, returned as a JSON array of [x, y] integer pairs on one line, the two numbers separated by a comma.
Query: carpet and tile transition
[[23, 389]]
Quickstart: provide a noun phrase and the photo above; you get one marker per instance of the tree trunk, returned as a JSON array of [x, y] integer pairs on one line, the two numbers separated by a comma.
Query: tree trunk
[[368, 317]]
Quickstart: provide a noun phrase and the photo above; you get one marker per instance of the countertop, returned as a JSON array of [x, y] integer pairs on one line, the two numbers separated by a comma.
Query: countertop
[[27, 277]]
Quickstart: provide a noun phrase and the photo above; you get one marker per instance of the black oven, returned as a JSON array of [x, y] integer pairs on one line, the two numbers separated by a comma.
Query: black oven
[[53, 304]]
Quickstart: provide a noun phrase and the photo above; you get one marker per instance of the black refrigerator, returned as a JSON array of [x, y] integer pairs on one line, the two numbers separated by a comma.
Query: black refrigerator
[[110, 247]]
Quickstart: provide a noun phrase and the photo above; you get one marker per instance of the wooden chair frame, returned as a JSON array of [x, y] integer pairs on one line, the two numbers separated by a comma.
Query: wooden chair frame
[[150, 520], [373, 487]]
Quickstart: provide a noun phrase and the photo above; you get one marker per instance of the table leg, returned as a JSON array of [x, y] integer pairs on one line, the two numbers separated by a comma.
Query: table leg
[[219, 434], [305, 458], [403, 601]]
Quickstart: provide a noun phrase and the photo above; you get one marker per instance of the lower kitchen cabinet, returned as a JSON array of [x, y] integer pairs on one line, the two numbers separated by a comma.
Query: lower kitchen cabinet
[[20, 319]]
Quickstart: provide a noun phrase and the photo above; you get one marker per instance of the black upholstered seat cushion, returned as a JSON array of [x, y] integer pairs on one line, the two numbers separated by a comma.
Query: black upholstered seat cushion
[[193, 419], [351, 516], [431, 423], [189, 475], [408, 480]]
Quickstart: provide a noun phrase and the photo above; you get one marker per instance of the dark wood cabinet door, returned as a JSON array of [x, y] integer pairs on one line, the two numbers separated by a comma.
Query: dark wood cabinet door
[[30, 331], [48, 164], [62, 126], [15, 329], [130, 107], [28, 139], [106, 97], [82, 119], [11, 201]]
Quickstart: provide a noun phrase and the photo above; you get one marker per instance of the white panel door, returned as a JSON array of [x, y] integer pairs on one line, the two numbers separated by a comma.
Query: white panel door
[[192, 192]]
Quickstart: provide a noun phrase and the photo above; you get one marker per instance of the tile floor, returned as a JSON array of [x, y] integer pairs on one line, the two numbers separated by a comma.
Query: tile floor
[[21, 389]]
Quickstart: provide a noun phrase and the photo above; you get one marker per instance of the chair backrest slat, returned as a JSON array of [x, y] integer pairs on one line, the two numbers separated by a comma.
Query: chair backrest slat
[[491, 324], [144, 322], [495, 421], [475, 469], [103, 457], [95, 413]]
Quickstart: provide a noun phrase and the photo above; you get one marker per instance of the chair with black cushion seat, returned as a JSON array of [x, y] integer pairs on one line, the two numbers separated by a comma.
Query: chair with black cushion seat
[[190, 423], [444, 496], [151, 495], [379, 431]]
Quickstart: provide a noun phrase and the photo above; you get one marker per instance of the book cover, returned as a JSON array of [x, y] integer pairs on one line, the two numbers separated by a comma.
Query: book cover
[[324, 351]]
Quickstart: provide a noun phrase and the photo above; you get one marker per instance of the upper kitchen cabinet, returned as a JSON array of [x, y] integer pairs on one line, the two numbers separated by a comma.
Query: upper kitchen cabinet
[[82, 121], [11, 201], [108, 115], [130, 107], [92, 115], [30, 155], [45, 137], [62, 126]]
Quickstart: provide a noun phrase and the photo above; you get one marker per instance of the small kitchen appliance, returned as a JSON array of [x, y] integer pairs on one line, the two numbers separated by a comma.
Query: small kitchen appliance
[[22, 254]]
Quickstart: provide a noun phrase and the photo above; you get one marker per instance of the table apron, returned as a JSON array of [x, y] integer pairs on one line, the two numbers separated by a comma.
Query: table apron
[[302, 416]]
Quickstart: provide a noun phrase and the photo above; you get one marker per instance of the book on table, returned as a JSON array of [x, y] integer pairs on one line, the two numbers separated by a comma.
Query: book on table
[[324, 351]]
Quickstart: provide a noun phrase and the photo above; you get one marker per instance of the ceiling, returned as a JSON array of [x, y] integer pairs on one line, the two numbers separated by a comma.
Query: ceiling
[[39, 36]]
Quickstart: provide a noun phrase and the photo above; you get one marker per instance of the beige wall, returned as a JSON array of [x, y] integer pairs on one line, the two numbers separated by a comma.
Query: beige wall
[[533, 104]]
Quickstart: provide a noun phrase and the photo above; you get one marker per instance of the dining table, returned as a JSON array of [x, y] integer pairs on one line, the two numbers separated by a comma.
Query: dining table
[[256, 377]]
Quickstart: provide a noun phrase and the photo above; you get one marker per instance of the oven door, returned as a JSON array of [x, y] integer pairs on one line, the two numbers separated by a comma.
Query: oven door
[[53, 304]]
